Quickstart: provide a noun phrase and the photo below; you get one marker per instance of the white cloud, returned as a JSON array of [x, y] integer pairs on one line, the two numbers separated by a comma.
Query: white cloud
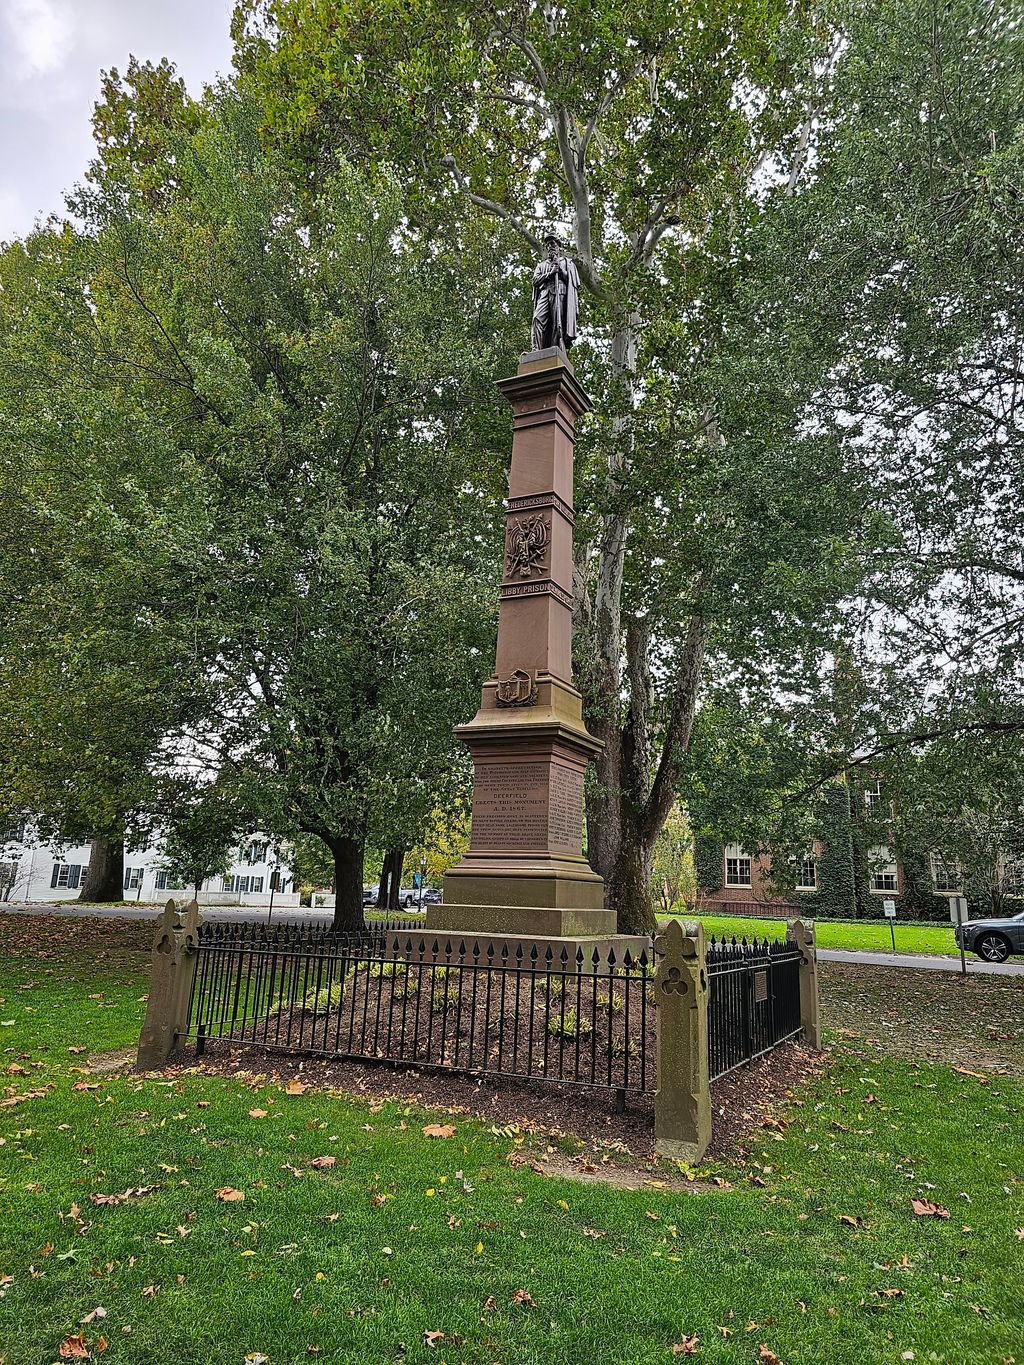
[[38, 36], [51, 55]]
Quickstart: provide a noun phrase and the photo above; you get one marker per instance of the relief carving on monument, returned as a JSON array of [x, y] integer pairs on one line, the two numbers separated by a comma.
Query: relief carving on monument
[[526, 544], [517, 689]]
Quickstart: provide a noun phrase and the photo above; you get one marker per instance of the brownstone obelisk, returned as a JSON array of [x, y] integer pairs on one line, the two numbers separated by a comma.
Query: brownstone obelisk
[[525, 872]]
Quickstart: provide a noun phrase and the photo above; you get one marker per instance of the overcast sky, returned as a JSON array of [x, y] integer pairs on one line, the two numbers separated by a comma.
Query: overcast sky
[[51, 55]]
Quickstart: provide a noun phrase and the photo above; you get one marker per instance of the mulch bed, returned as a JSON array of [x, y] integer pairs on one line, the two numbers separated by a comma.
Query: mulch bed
[[741, 1101]]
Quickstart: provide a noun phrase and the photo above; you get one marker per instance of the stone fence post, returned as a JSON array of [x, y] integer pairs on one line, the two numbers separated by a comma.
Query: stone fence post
[[800, 934], [682, 1105], [171, 973]]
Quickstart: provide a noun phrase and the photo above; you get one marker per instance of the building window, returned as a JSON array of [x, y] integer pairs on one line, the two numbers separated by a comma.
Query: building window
[[883, 876], [243, 884], [737, 866], [132, 878], [873, 796], [164, 883], [256, 853], [806, 874], [67, 875], [946, 876], [14, 834]]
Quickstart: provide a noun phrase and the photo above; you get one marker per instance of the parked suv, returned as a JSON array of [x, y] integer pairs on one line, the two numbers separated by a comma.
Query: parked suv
[[992, 939]]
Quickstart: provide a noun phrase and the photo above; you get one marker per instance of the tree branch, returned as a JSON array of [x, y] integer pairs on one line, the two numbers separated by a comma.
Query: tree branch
[[491, 205]]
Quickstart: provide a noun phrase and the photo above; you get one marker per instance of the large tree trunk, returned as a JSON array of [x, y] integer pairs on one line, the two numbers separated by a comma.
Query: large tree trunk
[[104, 880], [629, 886], [604, 718], [390, 879], [398, 862], [348, 882]]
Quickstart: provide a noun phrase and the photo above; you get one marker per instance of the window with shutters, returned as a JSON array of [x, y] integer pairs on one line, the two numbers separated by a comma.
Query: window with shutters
[[67, 875]]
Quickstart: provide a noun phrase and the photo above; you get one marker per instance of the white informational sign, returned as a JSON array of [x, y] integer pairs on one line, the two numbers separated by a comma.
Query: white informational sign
[[889, 909], [957, 909]]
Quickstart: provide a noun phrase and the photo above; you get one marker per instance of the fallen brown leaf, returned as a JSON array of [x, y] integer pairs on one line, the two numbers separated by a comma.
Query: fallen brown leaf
[[439, 1130], [229, 1195], [924, 1208], [74, 1348], [689, 1346], [323, 1163]]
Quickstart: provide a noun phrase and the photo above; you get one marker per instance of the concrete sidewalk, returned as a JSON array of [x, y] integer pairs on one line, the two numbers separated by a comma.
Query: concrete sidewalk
[[922, 962]]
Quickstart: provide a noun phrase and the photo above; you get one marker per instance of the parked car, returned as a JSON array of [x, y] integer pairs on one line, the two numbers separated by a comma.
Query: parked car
[[431, 895], [370, 895], [992, 939], [408, 896]]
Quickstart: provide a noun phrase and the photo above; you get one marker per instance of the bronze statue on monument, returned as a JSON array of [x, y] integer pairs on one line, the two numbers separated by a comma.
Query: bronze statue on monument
[[556, 293]]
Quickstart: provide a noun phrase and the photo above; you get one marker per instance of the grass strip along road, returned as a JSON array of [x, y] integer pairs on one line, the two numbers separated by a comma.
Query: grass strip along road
[[192, 1218], [858, 936]]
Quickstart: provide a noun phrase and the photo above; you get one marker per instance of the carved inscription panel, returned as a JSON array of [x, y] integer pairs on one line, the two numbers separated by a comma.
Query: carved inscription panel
[[566, 812], [528, 806], [510, 805]]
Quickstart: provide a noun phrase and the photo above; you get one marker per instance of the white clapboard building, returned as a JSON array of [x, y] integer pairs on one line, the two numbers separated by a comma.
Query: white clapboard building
[[32, 870]]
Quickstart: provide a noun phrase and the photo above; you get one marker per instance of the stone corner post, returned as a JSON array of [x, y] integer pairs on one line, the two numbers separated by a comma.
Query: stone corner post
[[682, 1105], [800, 934], [172, 971]]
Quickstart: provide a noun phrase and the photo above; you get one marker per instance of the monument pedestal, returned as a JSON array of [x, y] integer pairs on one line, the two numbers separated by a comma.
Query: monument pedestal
[[525, 873]]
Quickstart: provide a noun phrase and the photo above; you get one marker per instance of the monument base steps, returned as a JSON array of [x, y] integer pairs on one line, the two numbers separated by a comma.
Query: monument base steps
[[529, 920]]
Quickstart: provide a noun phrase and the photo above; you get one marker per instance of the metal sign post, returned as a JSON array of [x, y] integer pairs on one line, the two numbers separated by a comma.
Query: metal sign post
[[889, 910], [273, 888], [957, 911]]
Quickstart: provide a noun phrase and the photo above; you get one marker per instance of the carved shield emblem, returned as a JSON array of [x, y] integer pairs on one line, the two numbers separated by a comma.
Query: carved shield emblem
[[516, 690]]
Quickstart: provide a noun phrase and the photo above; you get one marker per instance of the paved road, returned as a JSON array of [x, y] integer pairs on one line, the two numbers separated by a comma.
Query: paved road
[[919, 961]]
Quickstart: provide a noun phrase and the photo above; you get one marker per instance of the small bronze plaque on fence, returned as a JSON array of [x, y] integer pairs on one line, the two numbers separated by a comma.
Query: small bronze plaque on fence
[[760, 987]]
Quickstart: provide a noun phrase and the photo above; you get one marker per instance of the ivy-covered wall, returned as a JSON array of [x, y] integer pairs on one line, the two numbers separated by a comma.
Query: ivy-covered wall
[[836, 895], [918, 900], [708, 856]]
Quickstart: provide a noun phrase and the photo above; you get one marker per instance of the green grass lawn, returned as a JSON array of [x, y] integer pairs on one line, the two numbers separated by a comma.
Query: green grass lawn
[[868, 936], [814, 1253]]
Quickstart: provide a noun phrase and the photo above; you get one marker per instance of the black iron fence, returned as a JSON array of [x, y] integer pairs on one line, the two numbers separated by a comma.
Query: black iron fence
[[434, 1003], [393, 994], [754, 1000]]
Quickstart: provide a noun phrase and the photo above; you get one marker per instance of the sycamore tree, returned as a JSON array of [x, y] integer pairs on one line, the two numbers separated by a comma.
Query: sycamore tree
[[896, 275], [644, 132]]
